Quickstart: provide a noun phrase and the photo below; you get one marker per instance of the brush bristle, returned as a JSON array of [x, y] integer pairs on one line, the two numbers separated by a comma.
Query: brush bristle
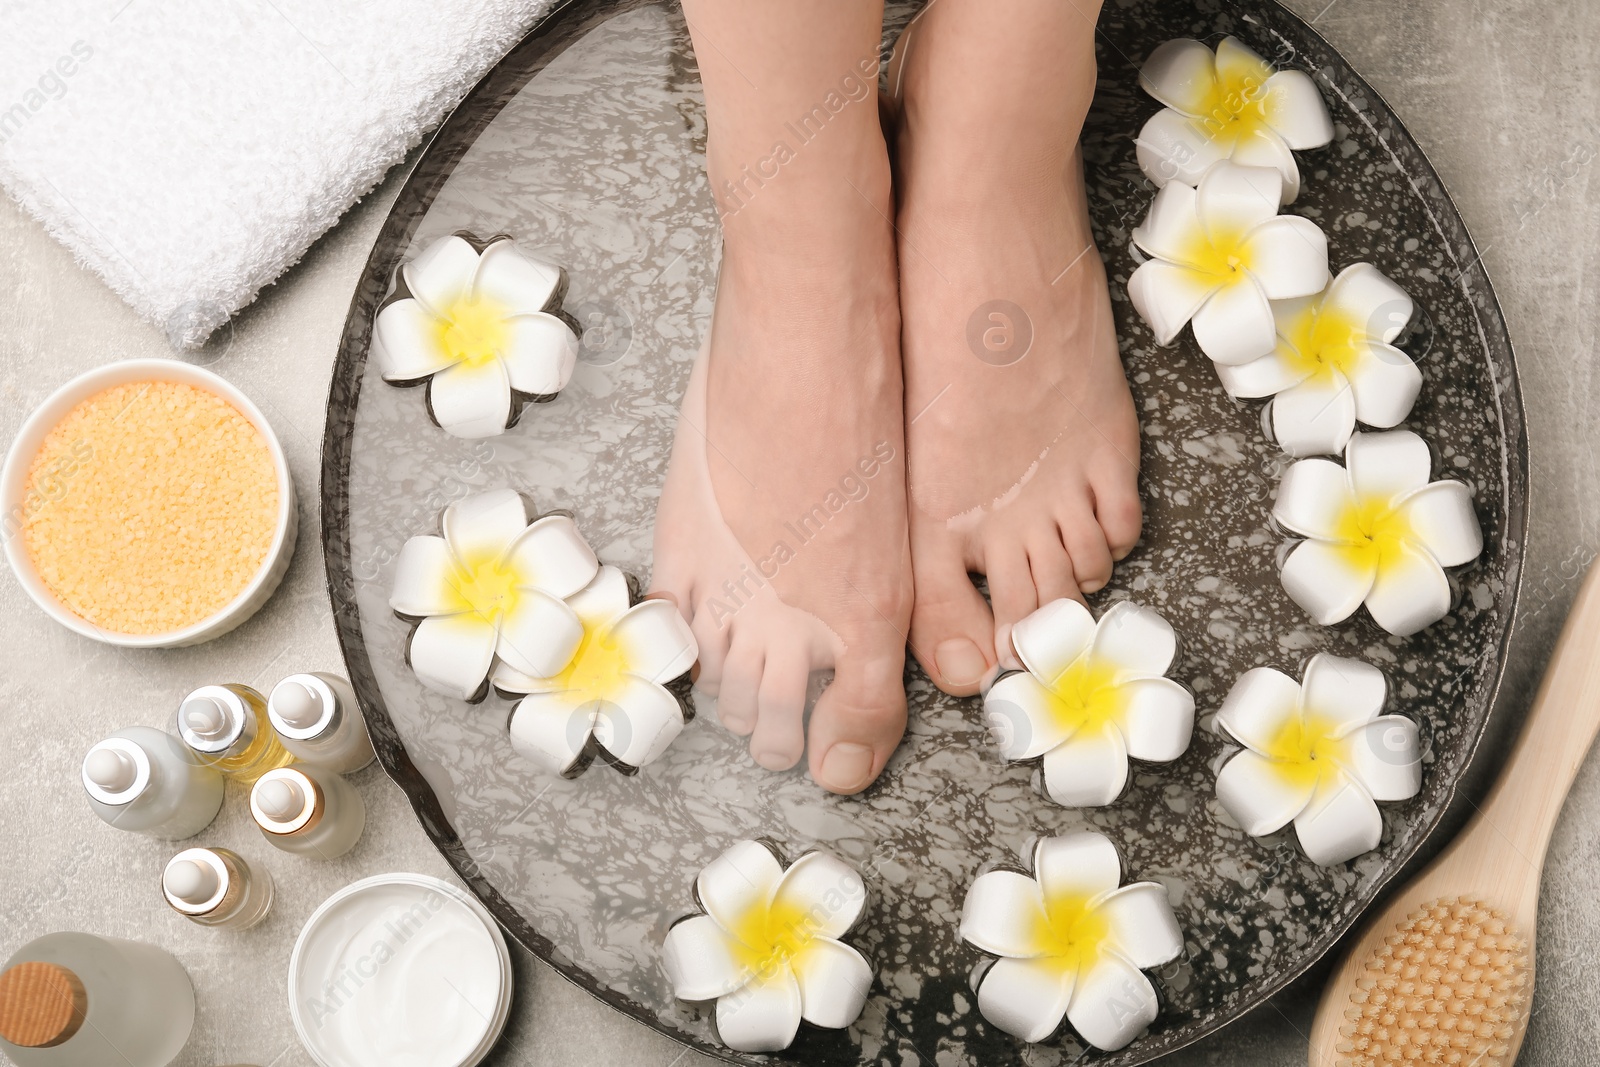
[[1448, 986]]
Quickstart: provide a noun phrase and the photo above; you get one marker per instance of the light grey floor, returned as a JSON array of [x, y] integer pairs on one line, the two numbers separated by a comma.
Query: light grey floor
[[1502, 95]]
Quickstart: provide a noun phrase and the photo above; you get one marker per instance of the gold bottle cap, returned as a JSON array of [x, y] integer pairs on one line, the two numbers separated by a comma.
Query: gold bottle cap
[[286, 801], [41, 1005]]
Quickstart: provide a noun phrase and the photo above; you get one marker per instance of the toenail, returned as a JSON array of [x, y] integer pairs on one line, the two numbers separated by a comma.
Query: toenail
[[960, 662], [773, 760], [847, 767]]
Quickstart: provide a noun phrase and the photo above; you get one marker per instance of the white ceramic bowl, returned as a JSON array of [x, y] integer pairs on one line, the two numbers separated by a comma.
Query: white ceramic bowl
[[405, 959], [13, 484]]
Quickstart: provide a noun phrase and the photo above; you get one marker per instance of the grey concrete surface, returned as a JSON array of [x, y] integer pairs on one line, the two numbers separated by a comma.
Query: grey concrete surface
[[1502, 95]]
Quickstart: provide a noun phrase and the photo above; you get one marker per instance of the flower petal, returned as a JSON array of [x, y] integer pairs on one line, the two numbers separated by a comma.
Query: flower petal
[[1171, 226], [1346, 692], [1082, 863], [405, 337], [538, 634], [1410, 591], [1340, 823], [742, 877], [1088, 770], [1264, 148], [1181, 74], [1386, 757], [1316, 417], [451, 654], [1288, 255], [603, 601], [1259, 705], [540, 352], [553, 556], [481, 527], [826, 890], [424, 577], [1385, 383], [834, 982], [636, 721], [1295, 109], [1020, 714], [1143, 927], [552, 730], [471, 401], [1363, 293], [1242, 65], [1050, 640], [1326, 580], [1026, 998], [1442, 518], [1313, 499], [1112, 1003], [1387, 465], [1259, 796], [763, 1016], [702, 962], [654, 641], [520, 284], [508, 679], [1166, 295], [1272, 373], [1136, 639], [1159, 720], [1003, 914], [1235, 199], [1173, 146], [1235, 325], [441, 274]]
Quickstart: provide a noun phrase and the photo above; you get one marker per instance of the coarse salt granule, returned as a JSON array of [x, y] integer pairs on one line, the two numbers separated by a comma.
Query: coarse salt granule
[[154, 506]]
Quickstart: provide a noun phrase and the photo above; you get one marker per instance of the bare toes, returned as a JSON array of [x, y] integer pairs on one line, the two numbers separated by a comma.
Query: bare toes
[[952, 630], [1086, 544], [779, 738], [859, 719], [1052, 566], [741, 684], [1011, 589], [1118, 511], [713, 641]]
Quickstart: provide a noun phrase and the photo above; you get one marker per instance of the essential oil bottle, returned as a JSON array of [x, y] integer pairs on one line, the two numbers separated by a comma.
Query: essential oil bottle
[[316, 717], [309, 811], [227, 727], [216, 887], [77, 1000], [145, 780]]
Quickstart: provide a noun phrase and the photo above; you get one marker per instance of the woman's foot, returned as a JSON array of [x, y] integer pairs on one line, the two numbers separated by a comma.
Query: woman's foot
[[1021, 431], [781, 532]]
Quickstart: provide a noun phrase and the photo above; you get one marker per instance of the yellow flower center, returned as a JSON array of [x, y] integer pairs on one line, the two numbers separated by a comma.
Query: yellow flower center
[[1235, 108], [486, 586], [473, 331], [1324, 340], [1372, 533], [1072, 934], [1304, 748], [1221, 255], [1086, 695], [772, 936], [596, 667]]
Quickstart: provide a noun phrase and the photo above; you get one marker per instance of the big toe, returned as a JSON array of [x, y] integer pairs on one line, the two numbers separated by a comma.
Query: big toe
[[952, 631], [858, 720]]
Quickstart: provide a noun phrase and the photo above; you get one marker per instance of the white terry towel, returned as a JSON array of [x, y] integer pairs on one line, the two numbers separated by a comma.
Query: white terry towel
[[189, 151]]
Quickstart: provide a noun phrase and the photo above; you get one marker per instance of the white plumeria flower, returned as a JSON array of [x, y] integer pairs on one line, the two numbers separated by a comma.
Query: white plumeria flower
[[1092, 696], [1222, 253], [491, 589], [478, 329], [1318, 753], [1376, 532], [1231, 105], [609, 696], [1334, 365], [1071, 944], [767, 949]]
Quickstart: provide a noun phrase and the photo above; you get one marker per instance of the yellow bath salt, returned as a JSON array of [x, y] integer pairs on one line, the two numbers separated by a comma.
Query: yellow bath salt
[[155, 504]]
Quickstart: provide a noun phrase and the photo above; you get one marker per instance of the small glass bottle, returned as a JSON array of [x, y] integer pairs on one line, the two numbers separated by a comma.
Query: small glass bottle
[[216, 887], [227, 727], [316, 718], [309, 811], [77, 1000], [145, 780]]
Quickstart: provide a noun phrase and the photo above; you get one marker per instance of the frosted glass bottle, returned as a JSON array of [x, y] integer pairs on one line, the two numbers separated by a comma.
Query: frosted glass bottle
[[316, 718], [309, 811], [145, 780], [132, 1004], [216, 887]]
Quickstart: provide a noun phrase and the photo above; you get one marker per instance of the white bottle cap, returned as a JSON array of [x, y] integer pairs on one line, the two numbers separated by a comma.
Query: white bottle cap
[[285, 800], [197, 880], [212, 718], [281, 799], [116, 771], [205, 717], [301, 706]]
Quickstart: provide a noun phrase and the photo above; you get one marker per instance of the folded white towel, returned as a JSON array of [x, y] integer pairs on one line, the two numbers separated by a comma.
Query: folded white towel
[[189, 151]]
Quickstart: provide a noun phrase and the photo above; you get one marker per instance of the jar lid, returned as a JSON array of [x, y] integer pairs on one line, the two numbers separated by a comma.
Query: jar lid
[[286, 800], [302, 706], [196, 881], [116, 771], [212, 718]]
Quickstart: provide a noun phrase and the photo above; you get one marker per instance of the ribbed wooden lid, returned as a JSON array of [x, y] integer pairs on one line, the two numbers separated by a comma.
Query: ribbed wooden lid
[[41, 1004]]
